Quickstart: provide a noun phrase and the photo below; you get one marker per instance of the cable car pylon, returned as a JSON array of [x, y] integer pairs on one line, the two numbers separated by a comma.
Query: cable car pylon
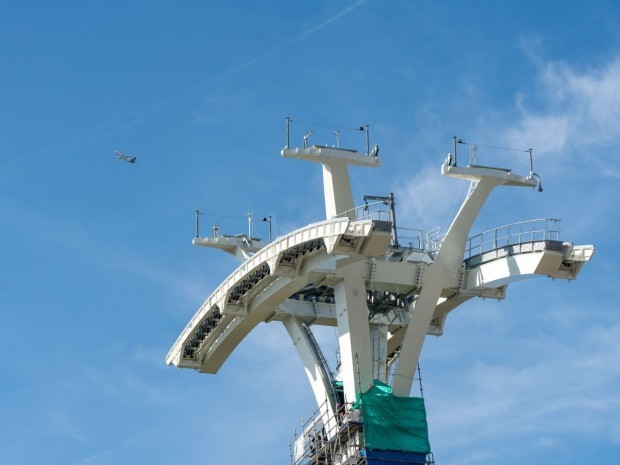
[[354, 272]]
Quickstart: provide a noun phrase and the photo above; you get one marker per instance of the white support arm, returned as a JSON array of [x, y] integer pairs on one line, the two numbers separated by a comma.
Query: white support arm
[[447, 262], [353, 331]]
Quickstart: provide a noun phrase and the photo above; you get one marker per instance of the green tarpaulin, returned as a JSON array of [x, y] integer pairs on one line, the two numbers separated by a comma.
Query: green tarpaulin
[[393, 423]]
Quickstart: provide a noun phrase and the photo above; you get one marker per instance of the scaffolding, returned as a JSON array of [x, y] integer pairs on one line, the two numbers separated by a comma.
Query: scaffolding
[[337, 440], [326, 439]]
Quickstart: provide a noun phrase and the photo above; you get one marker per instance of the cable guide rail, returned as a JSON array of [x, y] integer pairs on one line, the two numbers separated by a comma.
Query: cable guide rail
[[473, 153], [543, 229], [322, 130], [268, 257], [321, 229]]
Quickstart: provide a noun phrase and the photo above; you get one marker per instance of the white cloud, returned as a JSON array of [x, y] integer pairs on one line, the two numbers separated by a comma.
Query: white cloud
[[571, 119], [428, 188], [567, 389], [548, 134], [575, 113], [61, 423], [531, 46]]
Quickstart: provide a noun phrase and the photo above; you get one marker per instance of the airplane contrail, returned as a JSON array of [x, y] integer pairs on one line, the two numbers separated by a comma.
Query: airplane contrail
[[104, 131], [330, 20], [301, 36]]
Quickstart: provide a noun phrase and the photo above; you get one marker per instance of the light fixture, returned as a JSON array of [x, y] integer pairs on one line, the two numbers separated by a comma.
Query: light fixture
[[306, 139]]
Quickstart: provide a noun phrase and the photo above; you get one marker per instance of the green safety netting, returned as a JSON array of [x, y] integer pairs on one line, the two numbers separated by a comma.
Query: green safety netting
[[392, 422]]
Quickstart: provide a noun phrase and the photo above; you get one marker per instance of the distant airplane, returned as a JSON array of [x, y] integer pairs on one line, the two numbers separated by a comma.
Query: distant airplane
[[121, 156]]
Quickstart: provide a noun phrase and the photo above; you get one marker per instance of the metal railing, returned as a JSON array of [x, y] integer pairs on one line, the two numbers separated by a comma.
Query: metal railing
[[408, 238], [369, 211], [412, 238], [323, 129], [434, 238], [544, 229]]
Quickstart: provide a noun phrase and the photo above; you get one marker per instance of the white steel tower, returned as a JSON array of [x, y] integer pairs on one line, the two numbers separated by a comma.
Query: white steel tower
[[350, 271]]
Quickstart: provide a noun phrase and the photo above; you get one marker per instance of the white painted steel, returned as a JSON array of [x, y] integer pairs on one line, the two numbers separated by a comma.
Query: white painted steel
[[336, 183], [311, 365], [330, 231], [353, 332], [350, 256]]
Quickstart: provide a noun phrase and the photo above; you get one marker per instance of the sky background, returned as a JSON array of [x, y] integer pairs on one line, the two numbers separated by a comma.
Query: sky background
[[97, 272]]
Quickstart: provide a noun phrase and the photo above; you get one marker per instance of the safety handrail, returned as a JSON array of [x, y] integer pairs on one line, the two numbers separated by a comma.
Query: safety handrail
[[542, 229], [412, 238], [369, 211], [434, 238]]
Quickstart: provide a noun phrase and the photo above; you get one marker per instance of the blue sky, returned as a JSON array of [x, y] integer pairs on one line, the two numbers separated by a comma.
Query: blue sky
[[99, 275]]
